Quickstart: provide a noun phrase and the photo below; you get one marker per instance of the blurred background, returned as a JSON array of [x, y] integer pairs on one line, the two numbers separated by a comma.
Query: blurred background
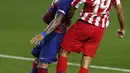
[[20, 20]]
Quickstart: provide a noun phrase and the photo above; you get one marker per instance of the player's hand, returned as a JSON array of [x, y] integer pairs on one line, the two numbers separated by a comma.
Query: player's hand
[[121, 33], [37, 39]]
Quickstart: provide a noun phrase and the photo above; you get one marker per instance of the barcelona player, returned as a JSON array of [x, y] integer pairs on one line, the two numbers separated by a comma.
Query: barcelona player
[[86, 33], [48, 42]]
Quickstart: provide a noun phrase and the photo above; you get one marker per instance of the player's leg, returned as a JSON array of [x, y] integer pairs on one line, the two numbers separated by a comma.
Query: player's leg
[[34, 66], [62, 61], [85, 62], [42, 67], [49, 51], [90, 46], [43, 64], [69, 44], [35, 52]]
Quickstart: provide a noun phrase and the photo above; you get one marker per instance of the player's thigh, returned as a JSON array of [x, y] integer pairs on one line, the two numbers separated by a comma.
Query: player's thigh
[[36, 51], [73, 39], [90, 47]]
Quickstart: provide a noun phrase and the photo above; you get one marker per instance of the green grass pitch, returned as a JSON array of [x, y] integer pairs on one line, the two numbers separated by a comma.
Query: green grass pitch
[[20, 20]]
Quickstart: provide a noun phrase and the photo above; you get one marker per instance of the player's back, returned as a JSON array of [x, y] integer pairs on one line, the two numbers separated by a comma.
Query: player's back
[[97, 6], [96, 12]]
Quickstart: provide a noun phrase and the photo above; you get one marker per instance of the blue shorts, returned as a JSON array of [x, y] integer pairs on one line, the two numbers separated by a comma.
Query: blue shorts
[[48, 48]]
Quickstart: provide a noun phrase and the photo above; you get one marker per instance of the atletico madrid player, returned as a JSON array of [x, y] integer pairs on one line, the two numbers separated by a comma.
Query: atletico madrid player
[[86, 33]]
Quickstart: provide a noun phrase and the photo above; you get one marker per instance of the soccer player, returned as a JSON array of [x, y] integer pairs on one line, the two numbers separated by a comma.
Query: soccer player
[[85, 35], [51, 38]]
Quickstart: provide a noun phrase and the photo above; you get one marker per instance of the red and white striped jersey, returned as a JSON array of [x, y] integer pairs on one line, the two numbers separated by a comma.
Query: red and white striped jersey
[[96, 12]]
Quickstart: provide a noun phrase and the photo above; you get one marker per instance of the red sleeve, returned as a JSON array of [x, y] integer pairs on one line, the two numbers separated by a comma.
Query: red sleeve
[[77, 3]]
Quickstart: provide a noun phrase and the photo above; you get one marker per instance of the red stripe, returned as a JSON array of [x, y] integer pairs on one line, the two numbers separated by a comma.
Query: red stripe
[[106, 19], [94, 20], [100, 22], [82, 14], [88, 17]]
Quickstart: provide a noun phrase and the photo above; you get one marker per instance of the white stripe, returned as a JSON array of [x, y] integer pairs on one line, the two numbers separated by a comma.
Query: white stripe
[[16, 57], [83, 0], [79, 3], [72, 64], [103, 21], [84, 16], [97, 21], [118, 2], [107, 23]]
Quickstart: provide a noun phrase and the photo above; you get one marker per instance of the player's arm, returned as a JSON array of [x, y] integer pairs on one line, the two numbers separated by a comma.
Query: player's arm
[[47, 18], [63, 7], [70, 14], [120, 13], [50, 28], [74, 6], [54, 24]]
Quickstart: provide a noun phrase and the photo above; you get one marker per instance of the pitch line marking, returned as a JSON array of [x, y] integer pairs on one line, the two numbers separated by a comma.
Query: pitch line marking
[[69, 63]]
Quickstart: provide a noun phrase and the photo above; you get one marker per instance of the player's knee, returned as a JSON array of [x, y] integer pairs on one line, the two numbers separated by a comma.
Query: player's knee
[[85, 62], [63, 53], [43, 65]]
